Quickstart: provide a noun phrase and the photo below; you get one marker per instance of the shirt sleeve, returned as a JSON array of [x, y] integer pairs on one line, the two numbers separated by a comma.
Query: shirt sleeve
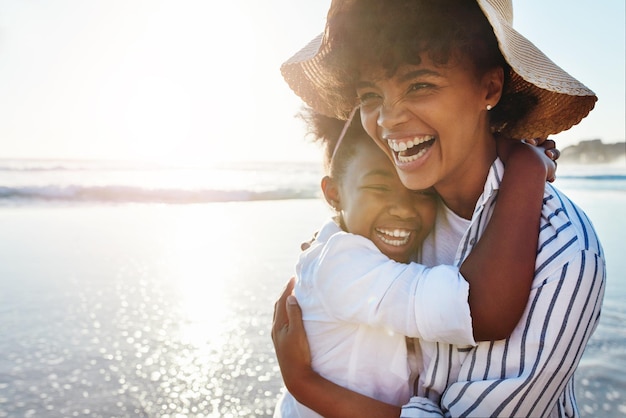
[[560, 317], [357, 283]]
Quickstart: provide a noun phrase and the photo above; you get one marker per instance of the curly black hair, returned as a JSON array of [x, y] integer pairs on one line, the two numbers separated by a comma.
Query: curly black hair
[[374, 34]]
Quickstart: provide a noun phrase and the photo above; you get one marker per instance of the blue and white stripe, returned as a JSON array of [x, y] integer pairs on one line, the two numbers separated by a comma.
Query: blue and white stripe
[[531, 372]]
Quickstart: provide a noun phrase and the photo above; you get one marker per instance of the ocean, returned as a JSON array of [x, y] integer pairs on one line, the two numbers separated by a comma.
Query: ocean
[[142, 290]]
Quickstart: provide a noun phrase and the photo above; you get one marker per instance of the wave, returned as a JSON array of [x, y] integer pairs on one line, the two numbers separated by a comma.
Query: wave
[[60, 165], [592, 181], [27, 165], [131, 194], [608, 177], [139, 194], [82, 181]]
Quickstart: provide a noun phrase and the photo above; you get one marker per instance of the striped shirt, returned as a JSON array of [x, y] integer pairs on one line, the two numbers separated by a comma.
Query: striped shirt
[[531, 372]]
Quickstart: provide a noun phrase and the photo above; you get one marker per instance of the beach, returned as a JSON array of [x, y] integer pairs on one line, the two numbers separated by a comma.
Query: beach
[[149, 309], [144, 310]]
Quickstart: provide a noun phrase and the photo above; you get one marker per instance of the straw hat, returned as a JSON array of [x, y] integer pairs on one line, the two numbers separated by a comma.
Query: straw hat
[[563, 101]]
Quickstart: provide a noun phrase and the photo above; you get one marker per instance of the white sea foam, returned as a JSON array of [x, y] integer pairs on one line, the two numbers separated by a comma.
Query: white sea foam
[[25, 181], [77, 181]]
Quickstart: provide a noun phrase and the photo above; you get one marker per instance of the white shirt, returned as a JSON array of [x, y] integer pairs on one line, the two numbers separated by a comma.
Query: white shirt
[[357, 307], [531, 372], [441, 245]]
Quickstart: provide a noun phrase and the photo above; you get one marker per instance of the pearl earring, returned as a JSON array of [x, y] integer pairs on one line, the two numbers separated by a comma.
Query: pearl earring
[[489, 107]]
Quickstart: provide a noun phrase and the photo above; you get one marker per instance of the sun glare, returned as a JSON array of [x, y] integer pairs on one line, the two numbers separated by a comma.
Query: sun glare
[[183, 91], [203, 271]]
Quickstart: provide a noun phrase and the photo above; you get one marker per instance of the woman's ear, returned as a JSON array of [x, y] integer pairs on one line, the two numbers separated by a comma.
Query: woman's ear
[[331, 193], [493, 80]]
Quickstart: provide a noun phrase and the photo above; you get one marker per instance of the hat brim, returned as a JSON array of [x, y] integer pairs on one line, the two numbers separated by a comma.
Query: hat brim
[[307, 76], [562, 101]]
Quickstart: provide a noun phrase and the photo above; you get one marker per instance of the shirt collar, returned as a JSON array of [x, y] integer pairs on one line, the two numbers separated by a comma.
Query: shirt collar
[[492, 184], [329, 229]]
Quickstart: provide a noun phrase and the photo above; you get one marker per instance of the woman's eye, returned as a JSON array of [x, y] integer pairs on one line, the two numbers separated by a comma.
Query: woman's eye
[[419, 86], [369, 98]]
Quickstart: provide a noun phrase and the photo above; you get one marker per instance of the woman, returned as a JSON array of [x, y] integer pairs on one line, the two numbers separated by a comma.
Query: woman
[[436, 80]]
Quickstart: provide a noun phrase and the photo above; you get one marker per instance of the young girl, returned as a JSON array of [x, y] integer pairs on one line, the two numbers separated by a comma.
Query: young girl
[[359, 293]]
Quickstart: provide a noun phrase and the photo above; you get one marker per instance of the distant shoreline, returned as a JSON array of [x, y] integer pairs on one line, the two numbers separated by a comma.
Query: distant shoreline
[[593, 151]]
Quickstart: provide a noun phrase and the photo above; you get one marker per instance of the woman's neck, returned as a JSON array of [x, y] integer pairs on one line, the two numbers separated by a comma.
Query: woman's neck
[[461, 189]]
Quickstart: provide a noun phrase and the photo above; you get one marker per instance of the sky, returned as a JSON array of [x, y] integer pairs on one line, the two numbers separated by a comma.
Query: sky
[[198, 81]]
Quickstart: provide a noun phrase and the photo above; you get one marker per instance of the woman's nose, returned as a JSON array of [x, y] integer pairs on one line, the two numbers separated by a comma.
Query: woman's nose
[[391, 113]]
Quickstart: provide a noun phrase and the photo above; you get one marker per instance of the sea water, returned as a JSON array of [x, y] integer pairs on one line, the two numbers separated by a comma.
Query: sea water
[[147, 291]]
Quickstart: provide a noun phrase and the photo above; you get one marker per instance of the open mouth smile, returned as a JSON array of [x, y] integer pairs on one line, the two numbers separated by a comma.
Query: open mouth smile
[[411, 150], [395, 237]]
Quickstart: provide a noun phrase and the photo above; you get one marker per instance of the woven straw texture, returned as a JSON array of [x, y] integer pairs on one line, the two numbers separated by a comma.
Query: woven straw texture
[[563, 101]]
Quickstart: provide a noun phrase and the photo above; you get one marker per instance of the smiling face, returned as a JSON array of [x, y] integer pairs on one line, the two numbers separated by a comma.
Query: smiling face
[[374, 203], [425, 72], [431, 121]]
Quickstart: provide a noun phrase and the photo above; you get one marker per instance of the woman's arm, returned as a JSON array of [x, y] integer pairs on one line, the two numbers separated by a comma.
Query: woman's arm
[[332, 400], [308, 387], [500, 268]]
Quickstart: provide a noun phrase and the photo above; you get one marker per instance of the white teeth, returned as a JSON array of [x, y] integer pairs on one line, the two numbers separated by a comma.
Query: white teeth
[[395, 242], [394, 232], [408, 159], [403, 146], [386, 234]]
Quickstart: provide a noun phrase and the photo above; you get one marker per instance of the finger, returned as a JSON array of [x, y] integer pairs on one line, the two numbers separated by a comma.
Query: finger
[[280, 303], [553, 153], [548, 144], [290, 285], [305, 245], [287, 289], [280, 318], [294, 314]]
